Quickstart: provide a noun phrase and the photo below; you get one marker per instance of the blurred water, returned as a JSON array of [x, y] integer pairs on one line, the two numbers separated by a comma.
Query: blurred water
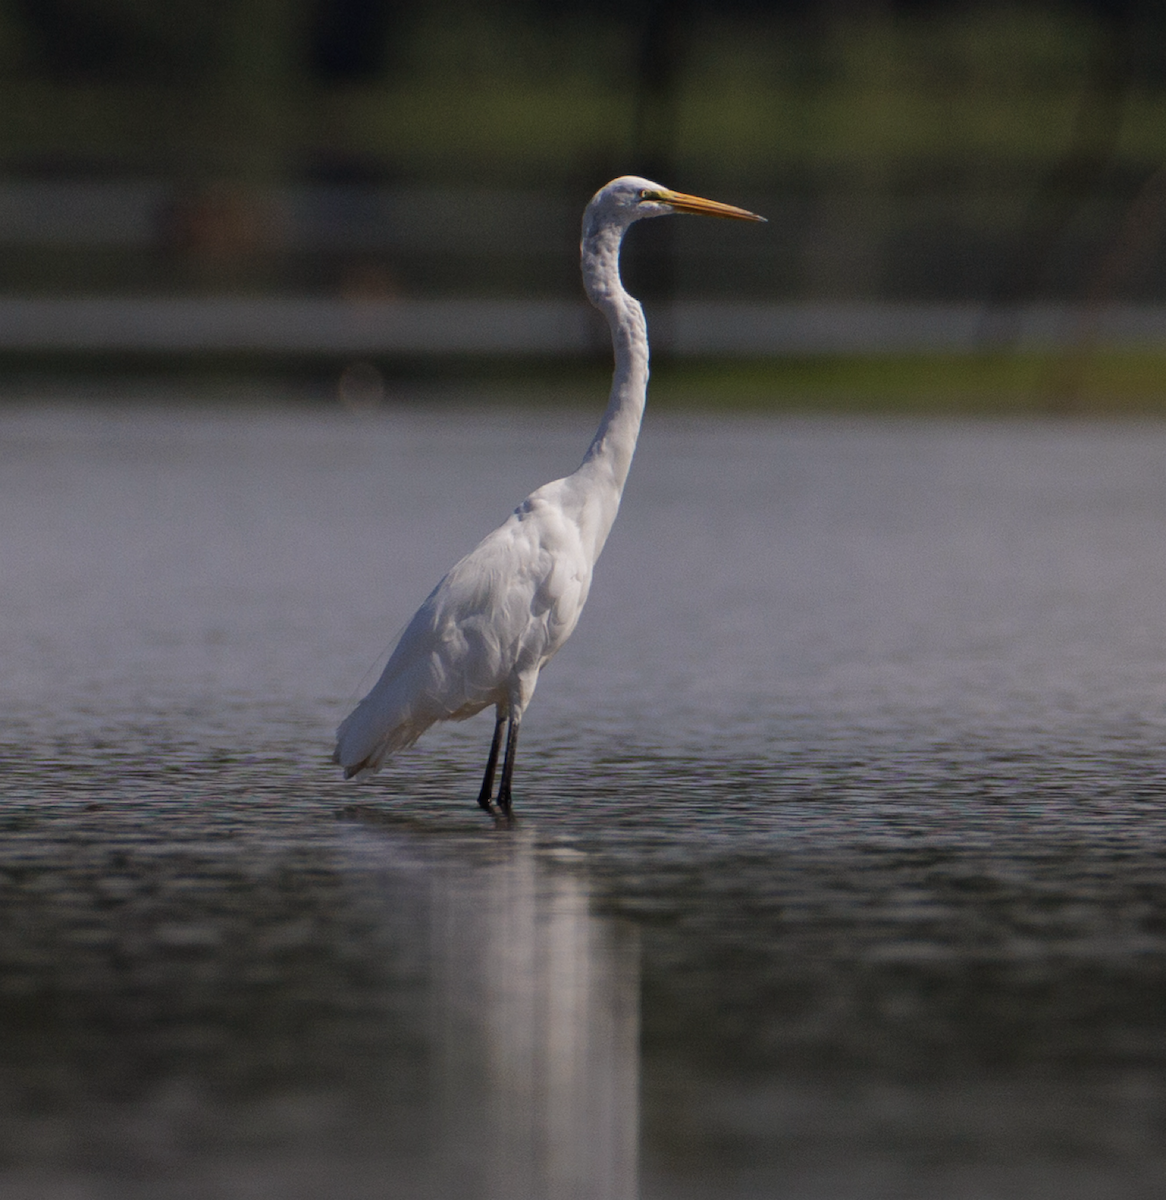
[[841, 864]]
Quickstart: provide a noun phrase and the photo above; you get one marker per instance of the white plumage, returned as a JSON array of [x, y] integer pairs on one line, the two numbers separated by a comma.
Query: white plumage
[[497, 618]]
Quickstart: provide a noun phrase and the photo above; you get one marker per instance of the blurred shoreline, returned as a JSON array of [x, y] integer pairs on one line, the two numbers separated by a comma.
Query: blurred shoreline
[[1102, 385]]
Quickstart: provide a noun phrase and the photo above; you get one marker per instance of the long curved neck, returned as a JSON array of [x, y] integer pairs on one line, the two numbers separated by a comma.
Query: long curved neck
[[609, 457]]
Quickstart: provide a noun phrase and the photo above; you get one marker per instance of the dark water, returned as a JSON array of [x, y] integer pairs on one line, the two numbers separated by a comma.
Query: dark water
[[842, 862]]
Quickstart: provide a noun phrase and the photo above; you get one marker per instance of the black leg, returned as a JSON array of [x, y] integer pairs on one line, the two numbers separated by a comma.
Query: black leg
[[508, 768], [491, 764]]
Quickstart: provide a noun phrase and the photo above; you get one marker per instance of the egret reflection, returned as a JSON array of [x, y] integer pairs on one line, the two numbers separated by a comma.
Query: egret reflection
[[534, 1018]]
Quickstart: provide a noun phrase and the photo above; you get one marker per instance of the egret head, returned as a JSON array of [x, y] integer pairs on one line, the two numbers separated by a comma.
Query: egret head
[[631, 198]]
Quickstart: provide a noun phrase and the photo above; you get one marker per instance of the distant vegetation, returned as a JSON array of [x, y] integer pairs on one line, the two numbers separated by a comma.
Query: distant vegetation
[[911, 150], [998, 153], [526, 92]]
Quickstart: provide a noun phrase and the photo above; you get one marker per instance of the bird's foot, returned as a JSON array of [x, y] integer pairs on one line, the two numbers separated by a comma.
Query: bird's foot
[[505, 808], [502, 813]]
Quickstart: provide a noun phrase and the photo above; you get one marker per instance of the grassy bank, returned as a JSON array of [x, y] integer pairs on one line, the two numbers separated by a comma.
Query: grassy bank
[[1107, 384], [1104, 384]]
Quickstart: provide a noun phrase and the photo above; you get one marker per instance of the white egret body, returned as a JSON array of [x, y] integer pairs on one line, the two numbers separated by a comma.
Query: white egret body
[[490, 626]]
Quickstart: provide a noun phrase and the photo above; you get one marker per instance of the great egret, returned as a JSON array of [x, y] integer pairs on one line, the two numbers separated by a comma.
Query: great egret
[[491, 625]]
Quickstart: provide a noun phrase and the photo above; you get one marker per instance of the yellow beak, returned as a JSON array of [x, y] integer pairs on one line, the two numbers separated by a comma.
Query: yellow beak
[[704, 208]]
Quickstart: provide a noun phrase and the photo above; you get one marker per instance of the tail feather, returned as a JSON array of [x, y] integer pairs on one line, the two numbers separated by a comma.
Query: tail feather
[[418, 687], [374, 731]]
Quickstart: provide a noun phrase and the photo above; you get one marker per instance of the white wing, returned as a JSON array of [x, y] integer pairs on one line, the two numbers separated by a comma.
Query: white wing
[[482, 635]]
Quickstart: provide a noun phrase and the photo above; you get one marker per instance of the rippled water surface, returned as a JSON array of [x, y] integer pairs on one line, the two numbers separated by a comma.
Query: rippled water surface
[[840, 870]]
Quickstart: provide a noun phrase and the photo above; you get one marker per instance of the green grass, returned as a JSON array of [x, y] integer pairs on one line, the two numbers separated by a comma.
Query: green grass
[[1105, 384]]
